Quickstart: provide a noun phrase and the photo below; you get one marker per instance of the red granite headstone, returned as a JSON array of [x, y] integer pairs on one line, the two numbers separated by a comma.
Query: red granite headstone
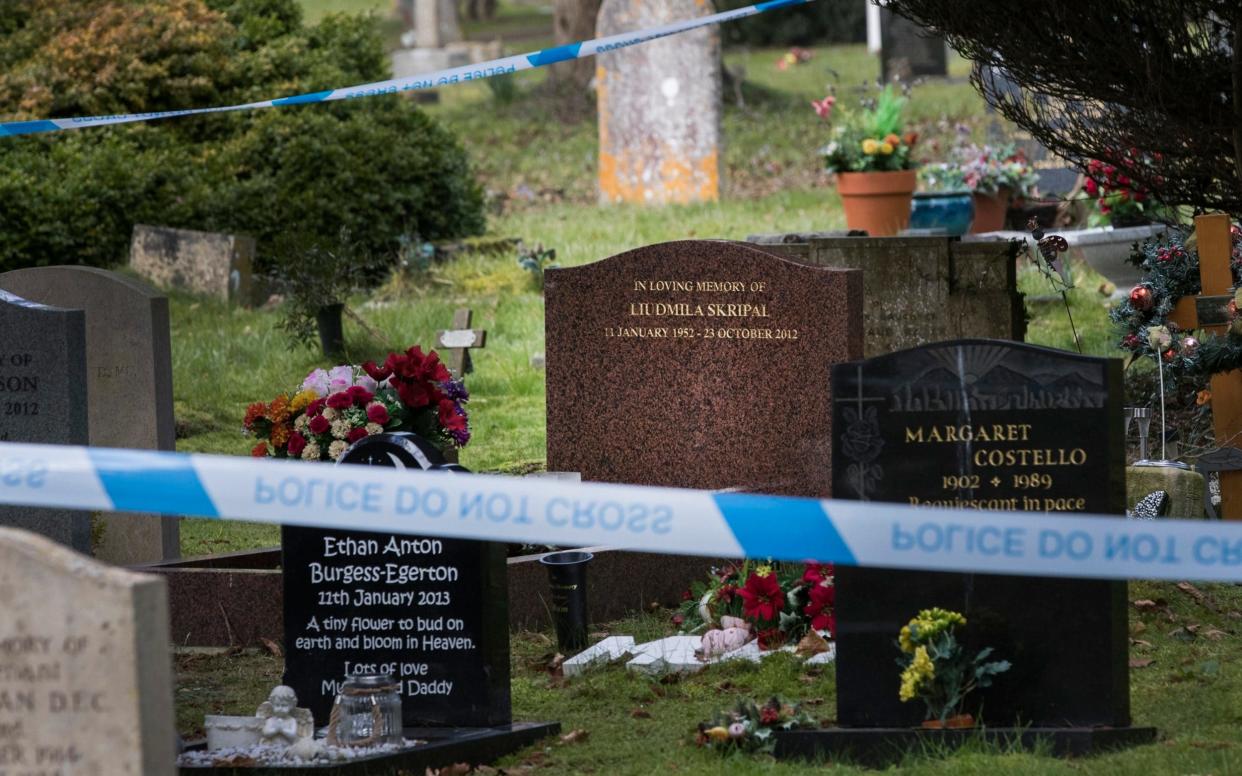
[[699, 363]]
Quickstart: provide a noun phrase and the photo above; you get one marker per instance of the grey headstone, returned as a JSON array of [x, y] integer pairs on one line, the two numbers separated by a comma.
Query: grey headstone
[[210, 263], [128, 383], [43, 400], [659, 107], [85, 671], [908, 50]]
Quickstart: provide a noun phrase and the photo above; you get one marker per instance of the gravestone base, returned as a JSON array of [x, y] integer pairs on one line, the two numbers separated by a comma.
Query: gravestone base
[[881, 747], [445, 746]]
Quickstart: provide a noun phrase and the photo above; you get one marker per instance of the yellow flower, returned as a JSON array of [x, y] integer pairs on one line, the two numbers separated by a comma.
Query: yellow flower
[[763, 569], [718, 733], [920, 670], [907, 645], [301, 399], [886, 148], [870, 146]]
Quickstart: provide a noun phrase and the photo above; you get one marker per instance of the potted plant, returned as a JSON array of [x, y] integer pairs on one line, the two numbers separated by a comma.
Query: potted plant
[[938, 670], [872, 160], [316, 276], [944, 204], [1119, 201], [996, 176]]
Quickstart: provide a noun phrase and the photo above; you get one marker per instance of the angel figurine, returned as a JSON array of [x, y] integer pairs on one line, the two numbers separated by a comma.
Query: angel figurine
[[283, 722]]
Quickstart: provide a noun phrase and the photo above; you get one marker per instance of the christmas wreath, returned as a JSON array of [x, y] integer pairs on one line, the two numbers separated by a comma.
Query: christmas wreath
[[1170, 272]]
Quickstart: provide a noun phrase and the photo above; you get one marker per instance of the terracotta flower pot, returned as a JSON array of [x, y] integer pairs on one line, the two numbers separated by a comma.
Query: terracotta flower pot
[[956, 722], [990, 211], [877, 202]]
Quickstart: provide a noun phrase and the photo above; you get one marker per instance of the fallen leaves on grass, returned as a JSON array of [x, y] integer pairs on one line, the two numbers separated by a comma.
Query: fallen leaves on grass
[[1139, 643], [1146, 605], [811, 644], [640, 713], [1141, 662], [1192, 591], [456, 769], [236, 761], [575, 736], [272, 647]]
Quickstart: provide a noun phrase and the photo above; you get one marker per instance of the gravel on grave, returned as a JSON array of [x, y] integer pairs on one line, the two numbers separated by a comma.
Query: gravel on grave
[[268, 756]]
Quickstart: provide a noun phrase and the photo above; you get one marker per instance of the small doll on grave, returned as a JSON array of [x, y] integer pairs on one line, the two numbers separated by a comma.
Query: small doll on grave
[[284, 723]]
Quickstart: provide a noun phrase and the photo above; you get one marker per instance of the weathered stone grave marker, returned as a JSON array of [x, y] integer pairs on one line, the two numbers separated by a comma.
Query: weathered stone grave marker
[[433, 612], [983, 424], [701, 363], [459, 341], [128, 383], [43, 374], [1207, 311], [218, 265], [659, 107], [85, 674]]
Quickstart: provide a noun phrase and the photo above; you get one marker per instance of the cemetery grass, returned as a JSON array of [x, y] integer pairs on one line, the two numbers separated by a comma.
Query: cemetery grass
[[1186, 681]]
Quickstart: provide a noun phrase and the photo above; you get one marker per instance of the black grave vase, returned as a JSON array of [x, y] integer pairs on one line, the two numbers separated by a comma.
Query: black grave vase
[[567, 576], [331, 330]]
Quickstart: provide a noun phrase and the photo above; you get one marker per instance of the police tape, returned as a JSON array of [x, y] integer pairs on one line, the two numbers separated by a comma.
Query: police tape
[[455, 75], [650, 519]]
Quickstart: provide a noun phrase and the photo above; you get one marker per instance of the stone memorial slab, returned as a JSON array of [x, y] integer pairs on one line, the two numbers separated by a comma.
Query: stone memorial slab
[[433, 612], [210, 263], [44, 395], [659, 107], [909, 50], [128, 383], [85, 672], [982, 424], [697, 364]]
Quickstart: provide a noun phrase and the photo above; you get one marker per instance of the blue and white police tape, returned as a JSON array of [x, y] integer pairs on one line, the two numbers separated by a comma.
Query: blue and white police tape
[[448, 77], [667, 520]]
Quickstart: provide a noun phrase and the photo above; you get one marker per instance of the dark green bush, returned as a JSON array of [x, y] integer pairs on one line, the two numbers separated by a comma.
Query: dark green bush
[[378, 166], [813, 24]]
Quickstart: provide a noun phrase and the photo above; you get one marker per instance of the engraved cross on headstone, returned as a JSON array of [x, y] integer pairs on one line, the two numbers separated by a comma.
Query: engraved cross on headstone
[[459, 340], [1207, 311]]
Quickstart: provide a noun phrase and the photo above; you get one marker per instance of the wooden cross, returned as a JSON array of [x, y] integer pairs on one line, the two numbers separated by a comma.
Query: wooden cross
[[1208, 311], [459, 340]]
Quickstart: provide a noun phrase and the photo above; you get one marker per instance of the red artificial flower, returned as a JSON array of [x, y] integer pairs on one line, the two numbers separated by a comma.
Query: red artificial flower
[[686, 595], [355, 434], [726, 593], [377, 373], [678, 619], [377, 413], [297, 443], [359, 395], [1091, 186], [771, 638], [319, 425], [817, 572], [259, 450], [315, 407], [769, 715], [762, 598], [340, 401], [253, 413], [823, 597], [450, 419]]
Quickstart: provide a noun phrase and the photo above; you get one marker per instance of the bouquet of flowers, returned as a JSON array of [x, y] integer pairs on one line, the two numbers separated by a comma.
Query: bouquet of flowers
[[781, 601], [938, 670], [334, 408], [987, 170], [1119, 200], [748, 727], [869, 139]]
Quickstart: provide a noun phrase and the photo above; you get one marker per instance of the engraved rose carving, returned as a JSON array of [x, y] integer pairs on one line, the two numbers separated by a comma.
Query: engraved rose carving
[[862, 441]]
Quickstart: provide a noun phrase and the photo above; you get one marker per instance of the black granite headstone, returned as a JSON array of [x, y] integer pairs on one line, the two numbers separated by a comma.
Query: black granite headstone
[[433, 612], [43, 400], [909, 50], [984, 424]]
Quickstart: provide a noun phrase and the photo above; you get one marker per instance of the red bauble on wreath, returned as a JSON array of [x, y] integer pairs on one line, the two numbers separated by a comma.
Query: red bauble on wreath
[[1141, 298]]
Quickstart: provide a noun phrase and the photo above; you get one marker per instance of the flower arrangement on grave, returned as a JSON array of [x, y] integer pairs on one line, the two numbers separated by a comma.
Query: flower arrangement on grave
[[1118, 199], [748, 727], [992, 170], [1171, 271], [779, 602], [869, 139], [333, 408], [938, 670], [795, 56]]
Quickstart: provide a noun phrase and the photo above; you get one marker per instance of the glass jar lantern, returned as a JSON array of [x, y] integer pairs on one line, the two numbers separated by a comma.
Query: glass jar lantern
[[367, 711]]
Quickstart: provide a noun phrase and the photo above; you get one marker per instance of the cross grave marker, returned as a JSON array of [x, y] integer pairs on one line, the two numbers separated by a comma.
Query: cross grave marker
[[459, 340]]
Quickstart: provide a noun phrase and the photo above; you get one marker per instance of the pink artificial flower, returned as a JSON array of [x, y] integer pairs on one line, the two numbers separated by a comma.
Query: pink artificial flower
[[823, 108]]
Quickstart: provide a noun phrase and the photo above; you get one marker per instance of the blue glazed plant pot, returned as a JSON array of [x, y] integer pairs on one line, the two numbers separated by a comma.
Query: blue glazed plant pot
[[950, 211]]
